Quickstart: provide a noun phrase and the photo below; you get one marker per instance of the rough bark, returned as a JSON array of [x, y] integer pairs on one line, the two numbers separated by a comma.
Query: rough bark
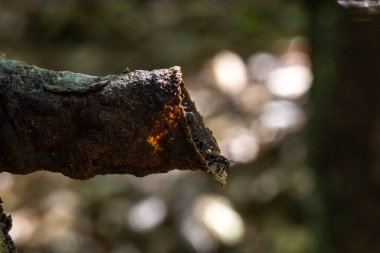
[[6, 243], [139, 123], [345, 126]]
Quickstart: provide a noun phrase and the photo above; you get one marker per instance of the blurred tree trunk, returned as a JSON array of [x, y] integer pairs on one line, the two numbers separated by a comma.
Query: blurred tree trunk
[[345, 126]]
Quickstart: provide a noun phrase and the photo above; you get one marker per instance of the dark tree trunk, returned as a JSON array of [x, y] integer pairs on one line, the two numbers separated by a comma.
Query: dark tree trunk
[[345, 136]]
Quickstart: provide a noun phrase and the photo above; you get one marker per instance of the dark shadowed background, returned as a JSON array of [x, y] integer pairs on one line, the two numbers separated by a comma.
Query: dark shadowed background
[[248, 67]]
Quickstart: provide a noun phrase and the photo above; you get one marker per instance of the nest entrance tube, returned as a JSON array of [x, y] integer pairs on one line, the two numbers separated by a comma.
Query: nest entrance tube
[[139, 123]]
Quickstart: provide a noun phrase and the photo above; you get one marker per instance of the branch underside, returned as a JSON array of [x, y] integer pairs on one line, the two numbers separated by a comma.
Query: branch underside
[[138, 123]]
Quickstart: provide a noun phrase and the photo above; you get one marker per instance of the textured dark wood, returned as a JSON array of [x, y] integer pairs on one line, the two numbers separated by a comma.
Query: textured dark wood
[[140, 122], [6, 243]]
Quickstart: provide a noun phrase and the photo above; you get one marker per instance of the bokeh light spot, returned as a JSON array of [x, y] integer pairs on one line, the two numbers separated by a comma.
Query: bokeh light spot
[[281, 114], [243, 147], [290, 81], [230, 72], [220, 218], [147, 214]]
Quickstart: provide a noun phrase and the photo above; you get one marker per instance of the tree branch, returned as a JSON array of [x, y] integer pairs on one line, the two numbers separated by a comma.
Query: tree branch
[[139, 123], [6, 243]]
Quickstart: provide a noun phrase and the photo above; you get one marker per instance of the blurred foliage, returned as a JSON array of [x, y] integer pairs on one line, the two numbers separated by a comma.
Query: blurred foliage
[[105, 36], [270, 192]]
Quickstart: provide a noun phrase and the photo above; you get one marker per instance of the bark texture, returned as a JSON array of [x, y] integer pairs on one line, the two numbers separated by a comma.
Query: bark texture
[[6, 243], [139, 123]]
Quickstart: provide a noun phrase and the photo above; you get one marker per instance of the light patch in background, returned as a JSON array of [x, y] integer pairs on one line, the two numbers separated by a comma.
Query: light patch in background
[[59, 217], [243, 146], [265, 135], [217, 214], [253, 98], [207, 101], [66, 199], [57, 222], [197, 235], [360, 3], [158, 182], [6, 181], [290, 81], [147, 214], [230, 72], [25, 223], [282, 114], [261, 65]]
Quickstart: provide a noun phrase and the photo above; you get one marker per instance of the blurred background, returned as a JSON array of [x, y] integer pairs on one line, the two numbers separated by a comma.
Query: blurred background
[[248, 67]]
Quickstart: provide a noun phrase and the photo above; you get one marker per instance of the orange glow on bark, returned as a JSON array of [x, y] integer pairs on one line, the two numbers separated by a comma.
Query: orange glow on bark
[[166, 121]]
